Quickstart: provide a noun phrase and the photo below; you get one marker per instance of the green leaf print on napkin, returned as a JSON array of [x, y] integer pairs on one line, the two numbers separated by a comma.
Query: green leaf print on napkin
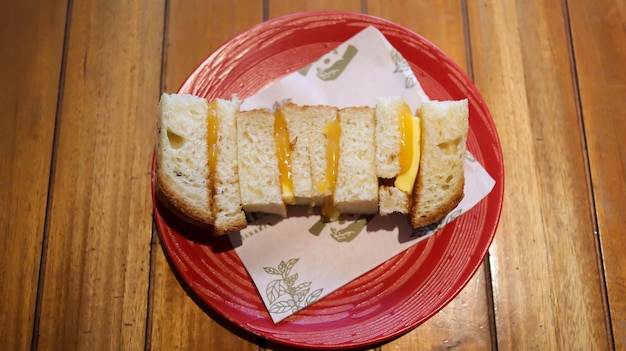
[[283, 294], [332, 64], [345, 234], [351, 231]]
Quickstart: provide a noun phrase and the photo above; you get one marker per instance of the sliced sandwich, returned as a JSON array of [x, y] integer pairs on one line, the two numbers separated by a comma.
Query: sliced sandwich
[[440, 180], [196, 169], [213, 162], [307, 146]]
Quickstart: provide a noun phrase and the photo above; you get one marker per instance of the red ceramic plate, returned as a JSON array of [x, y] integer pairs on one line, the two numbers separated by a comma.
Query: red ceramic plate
[[398, 295]]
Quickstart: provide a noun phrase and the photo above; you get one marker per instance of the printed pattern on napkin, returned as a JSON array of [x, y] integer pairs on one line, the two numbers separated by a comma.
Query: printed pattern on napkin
[[300, 259], [356, 73]]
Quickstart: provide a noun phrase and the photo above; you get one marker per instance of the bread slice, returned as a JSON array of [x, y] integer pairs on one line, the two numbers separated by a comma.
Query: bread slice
[[356, 187], [259, 177], [229, 216], [440, 181], [392, 199], [181, 170], [308, 144], [388, 136]]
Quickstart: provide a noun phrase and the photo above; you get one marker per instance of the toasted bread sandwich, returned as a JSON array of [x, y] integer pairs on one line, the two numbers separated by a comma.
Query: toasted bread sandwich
[[307, 148], [440, 180], [196, 174], [214, 162]]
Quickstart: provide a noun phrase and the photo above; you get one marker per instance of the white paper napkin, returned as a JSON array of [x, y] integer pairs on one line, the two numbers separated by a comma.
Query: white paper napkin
[[298, 260]]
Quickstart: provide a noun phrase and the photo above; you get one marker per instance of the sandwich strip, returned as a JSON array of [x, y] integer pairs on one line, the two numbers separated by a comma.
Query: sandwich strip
[[307, 148], [259, 176], [356, 187], [223, 173], [397, 154]]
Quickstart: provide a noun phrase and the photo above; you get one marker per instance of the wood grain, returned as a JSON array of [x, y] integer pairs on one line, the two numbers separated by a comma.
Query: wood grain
[[464, 323], [30, 67], [194, 30], [98, 256], [599, 42], [180, 321], [81, 266], [547, 285], [278, 8]]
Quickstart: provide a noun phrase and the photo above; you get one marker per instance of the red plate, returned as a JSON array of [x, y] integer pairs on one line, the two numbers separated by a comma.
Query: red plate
[[399, 294]]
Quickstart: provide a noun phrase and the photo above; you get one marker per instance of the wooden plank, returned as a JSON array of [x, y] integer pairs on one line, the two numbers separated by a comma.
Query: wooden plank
[[599, 44], [95, 286], [440, 22], [464, 323], [278, 8], [194, 30], [178, 321], [546, 281], [31, 33]]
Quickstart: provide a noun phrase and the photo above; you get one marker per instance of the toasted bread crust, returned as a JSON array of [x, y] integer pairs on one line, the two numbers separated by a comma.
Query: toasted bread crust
[[227, 222], [391, 199], [440, 212], [230, 227], [173, 201]]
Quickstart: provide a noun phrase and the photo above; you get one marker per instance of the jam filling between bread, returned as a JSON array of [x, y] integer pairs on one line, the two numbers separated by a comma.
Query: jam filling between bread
[[212, 128], [283, 152], [332, 130], [406, 138]]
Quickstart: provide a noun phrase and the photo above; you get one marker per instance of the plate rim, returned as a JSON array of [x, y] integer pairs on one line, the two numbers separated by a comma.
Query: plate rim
[[498, 188]]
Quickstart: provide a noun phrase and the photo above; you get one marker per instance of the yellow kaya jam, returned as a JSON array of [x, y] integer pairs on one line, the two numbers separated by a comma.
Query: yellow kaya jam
[[212, 134], [409, 155], [283, 152], [333, 133], [406, 138]]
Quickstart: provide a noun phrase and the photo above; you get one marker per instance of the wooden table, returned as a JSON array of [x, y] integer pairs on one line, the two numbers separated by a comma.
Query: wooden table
[[81, 267]]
